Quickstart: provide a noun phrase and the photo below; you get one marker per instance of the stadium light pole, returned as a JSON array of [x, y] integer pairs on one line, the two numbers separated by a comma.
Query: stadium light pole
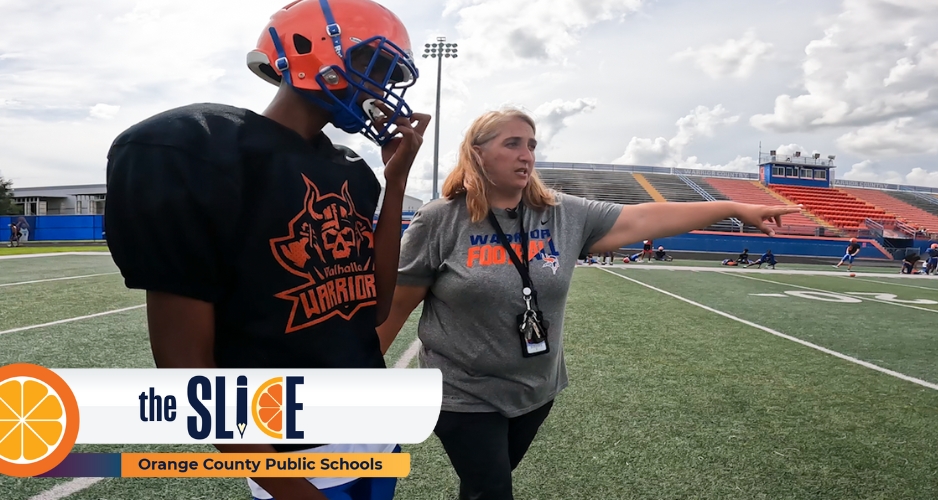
[[438, 51]]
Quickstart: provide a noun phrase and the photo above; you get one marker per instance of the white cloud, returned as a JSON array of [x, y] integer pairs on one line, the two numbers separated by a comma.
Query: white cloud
[[877, 61], [921, 177], [903, 68], [874, 171], [904, 135], [701, 122], [552, 117], [732, 58], [871, 171], [789, 149], [499, 34], [104, 111]]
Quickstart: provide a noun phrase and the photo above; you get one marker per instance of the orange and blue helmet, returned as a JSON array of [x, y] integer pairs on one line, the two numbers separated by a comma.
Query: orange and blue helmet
[[343, 55]]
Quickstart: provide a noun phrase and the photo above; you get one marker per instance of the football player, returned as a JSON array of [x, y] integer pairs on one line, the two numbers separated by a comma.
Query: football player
[[235, 221]]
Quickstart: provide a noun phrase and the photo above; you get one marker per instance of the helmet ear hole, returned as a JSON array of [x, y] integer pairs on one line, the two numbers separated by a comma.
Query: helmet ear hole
[[303, 45], [259, 64], [267, 70]]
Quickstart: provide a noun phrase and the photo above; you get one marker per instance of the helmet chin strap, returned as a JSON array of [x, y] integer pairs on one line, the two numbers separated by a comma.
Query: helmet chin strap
[[332, 28]]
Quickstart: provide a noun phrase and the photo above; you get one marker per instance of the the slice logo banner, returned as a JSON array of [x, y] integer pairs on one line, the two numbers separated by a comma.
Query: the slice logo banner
[[44, 412]]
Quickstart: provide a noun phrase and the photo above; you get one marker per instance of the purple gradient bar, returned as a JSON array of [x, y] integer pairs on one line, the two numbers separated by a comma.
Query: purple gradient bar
[[87, 465]]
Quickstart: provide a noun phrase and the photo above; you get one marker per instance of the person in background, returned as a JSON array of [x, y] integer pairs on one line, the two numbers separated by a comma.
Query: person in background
[[494, 327], [14, 236], [908, 264], [852, 250], [608, 258], [743, 258], [647, 250], [632, 258], [931, 264], [767, 258]]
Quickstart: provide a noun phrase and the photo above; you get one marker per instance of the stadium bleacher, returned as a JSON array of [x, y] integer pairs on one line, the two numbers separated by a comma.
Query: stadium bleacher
[[922, 201], [835, 206], [617, 187], [913, 216], [674, 189], [712, 191], [749, 192]]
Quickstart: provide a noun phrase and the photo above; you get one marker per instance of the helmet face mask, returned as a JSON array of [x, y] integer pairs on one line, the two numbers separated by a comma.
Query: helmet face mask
[[375, 70], [342, 57]]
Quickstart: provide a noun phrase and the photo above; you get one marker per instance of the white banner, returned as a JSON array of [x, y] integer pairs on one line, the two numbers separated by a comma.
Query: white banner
[[163, 406]]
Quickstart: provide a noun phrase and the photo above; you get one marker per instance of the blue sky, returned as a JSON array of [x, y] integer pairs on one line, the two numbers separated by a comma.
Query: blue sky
[[652, 82]]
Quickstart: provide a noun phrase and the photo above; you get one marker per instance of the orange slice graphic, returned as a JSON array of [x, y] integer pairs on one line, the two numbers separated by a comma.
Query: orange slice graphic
[[38, 420], [267, 407]]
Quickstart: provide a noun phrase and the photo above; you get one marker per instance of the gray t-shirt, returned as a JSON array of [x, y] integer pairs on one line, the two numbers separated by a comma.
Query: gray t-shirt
[[468, 326]]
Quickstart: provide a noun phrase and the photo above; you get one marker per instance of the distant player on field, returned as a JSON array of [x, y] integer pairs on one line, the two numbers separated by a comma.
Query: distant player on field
[[647, 250], [852, 250], [908, 264], [610, 256], [635, 257], [767, 258], [931, 264]]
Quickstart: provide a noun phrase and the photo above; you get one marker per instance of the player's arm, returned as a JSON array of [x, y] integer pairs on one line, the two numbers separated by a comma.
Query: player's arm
[[398, 156], [388, 247], [175, 321], [659, 220], [406, 299]]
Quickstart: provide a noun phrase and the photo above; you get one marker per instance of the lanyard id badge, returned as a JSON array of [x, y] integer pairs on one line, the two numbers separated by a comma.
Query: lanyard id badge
[[532, 326], [533, 329]]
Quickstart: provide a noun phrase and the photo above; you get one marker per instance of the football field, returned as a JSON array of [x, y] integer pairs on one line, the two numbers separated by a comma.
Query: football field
[[687, 380]]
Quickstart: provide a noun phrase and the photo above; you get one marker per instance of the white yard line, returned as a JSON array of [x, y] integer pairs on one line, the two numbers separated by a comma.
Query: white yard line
[[70, 320], [751, 270], [65, 489], [782, 335], [409, 354], [935, 289], [933, 311], [57, 279], [51, 254]]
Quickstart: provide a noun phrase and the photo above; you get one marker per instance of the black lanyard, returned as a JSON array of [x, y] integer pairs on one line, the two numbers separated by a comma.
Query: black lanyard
[[522, 268]]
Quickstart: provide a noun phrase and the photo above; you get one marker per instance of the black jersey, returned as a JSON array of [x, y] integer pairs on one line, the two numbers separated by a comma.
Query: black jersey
[[227, 206]]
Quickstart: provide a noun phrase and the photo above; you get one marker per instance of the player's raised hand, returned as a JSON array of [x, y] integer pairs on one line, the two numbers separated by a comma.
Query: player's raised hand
[[399, 153], [762, 216]]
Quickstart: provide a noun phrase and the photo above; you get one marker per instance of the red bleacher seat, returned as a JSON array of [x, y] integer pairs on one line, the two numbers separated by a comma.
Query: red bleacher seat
[[837, 207], [913, 216], [747, 192]]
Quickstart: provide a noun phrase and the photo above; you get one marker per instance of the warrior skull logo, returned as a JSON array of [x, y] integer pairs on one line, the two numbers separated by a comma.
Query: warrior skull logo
[[328, 231]]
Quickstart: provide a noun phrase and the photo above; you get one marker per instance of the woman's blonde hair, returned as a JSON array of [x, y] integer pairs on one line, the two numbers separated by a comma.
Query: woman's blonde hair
[[469, 176]]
